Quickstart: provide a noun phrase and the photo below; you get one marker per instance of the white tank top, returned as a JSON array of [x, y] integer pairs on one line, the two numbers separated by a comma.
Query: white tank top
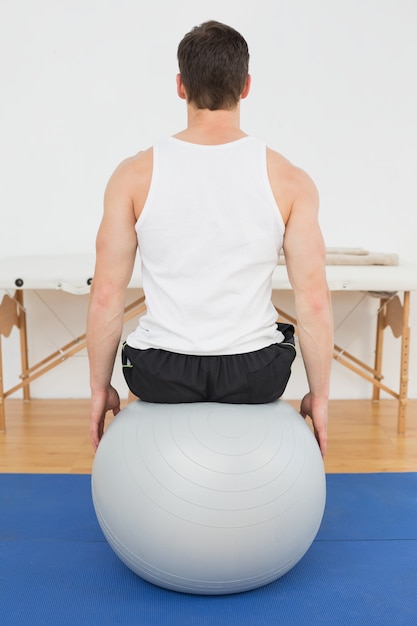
[[209, 238]]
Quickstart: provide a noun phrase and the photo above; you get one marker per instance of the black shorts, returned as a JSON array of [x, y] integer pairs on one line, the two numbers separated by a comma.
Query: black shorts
[[251, 378]]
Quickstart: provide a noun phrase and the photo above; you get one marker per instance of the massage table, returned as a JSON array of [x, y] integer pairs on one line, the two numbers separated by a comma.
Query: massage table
[[392, 284]]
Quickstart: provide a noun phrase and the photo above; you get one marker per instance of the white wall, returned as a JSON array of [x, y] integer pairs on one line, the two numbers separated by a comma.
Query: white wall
[[87, 82]]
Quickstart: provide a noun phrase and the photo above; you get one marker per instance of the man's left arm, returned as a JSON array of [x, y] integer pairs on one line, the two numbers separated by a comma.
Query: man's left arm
[[116, 246]]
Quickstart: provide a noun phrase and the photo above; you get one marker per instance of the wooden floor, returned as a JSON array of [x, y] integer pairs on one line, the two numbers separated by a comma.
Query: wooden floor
[[51, 436]]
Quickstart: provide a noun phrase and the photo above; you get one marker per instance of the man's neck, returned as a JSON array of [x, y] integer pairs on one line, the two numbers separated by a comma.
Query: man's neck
[[212, 127]]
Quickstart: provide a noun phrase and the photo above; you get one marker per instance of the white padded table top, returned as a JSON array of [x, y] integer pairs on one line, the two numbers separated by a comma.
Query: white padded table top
[[73, 273], [378, 278]]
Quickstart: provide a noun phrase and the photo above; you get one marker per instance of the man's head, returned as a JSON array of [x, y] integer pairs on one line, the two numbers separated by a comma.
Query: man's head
[[213, 60]]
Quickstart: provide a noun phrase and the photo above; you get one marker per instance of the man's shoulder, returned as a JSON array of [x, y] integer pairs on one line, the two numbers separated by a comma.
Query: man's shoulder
[[280, 166], [133, 169], [290, 184], [136, 161], [131, 178]]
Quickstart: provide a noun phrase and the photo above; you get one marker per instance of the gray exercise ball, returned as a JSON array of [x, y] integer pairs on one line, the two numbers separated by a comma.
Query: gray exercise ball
[[209, 498]]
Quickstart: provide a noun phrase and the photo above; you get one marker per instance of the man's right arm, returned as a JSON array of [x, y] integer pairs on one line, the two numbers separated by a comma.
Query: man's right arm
[[305, 259]]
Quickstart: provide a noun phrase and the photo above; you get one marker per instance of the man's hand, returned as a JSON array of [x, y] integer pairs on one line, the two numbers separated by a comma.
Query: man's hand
[[101, 402], [316, 409]]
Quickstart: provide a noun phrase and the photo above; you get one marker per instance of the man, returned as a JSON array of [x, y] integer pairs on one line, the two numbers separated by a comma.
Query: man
[[209, 210]]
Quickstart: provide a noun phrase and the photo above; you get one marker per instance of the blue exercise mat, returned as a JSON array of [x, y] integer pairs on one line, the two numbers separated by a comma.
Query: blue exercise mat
[[57, 569]]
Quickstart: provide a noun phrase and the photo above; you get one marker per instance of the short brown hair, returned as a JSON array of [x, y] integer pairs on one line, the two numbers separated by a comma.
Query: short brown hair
[[214, 62]]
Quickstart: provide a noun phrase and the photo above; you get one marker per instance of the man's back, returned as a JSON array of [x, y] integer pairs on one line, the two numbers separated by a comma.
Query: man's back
[[209, 237]]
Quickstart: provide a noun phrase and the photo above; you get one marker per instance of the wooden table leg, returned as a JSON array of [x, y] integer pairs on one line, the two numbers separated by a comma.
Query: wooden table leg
[[8, 319], [2, 409], [379, 346], [23, 343], [405, 347]]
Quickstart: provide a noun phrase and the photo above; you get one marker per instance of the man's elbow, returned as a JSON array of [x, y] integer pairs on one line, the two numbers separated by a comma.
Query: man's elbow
[[104, 297], [315, 302]]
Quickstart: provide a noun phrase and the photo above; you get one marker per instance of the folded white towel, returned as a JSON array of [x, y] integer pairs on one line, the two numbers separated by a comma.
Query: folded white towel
[[357, 257]]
